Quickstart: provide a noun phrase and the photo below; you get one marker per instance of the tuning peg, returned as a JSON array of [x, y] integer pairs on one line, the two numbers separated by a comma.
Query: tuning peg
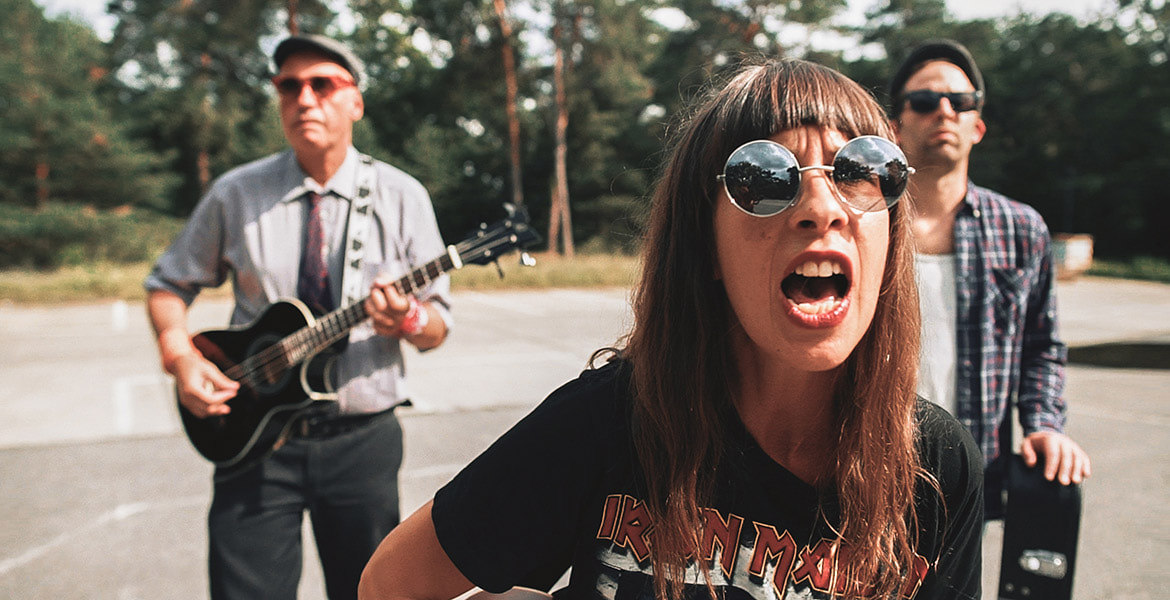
[[526, 260]]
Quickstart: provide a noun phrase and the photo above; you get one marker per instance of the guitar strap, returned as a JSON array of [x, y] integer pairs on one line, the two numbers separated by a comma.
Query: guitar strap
[[353, 287]]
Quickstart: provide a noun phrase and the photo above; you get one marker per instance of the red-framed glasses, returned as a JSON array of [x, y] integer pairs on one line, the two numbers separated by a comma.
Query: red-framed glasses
[[322, 85]]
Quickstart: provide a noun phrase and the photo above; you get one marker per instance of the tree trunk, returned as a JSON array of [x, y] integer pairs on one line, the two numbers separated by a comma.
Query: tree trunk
[[36, 100], [202, 155], [559, 217], [292, 17], [42, 179], [511, 87]]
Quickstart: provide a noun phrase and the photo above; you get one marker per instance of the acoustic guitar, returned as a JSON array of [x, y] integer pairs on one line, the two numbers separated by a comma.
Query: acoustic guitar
[[281, 362]]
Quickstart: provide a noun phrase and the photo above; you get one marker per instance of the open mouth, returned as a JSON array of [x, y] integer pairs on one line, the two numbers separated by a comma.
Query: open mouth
[[816, 287]]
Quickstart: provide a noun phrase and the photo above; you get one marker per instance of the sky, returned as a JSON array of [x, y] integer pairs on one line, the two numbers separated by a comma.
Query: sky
[[94, 12]]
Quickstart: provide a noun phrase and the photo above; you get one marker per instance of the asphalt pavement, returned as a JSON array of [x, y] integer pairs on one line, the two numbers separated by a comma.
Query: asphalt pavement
[[104, 498]]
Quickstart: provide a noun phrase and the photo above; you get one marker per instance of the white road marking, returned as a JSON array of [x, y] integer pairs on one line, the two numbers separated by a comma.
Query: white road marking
[[119, 316], [123, 512], [118, 513], [123, 395]]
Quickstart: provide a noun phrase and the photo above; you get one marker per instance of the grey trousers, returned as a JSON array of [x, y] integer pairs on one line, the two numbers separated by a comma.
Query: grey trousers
[[346, 482]]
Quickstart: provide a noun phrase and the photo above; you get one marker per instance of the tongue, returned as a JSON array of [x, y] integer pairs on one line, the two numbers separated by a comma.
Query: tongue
[[811, 289]]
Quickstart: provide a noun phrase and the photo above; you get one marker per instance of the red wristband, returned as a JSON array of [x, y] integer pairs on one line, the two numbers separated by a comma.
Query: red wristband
[[416, 319]]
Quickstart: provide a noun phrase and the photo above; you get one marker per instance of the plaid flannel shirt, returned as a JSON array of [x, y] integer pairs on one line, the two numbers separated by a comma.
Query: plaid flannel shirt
[[1008, 347]]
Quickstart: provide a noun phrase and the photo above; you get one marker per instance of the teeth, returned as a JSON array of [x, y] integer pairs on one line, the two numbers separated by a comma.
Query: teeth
[[826, 268], [818, 307]]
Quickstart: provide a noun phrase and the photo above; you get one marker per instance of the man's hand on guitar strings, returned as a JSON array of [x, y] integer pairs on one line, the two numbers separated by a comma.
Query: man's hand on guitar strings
[[203, 388], [387, 307]]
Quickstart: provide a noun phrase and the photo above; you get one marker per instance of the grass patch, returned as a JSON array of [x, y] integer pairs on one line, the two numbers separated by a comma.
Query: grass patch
[[108, 281], [1146, 268], [73, 284], [550, 271], [70, 253], [102, 281]]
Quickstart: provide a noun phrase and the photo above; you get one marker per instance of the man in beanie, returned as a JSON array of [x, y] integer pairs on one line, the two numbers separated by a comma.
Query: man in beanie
[[291, 225], [985, 276]]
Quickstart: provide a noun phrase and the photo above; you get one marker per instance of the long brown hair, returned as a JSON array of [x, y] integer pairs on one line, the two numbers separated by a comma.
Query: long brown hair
[[683, 376]]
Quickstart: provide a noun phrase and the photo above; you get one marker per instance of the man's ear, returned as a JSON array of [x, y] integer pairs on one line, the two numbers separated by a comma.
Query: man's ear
[[358, 110], [980, 130], [895, 124]]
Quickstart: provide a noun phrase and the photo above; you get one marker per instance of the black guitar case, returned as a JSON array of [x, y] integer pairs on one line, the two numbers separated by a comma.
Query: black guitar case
[[1041, 526]]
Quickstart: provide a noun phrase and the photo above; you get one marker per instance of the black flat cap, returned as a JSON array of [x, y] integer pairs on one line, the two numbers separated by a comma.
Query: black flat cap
[[937, 49], [319, 44]]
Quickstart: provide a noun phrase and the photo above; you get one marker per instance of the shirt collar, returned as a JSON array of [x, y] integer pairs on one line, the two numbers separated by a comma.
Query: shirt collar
[[342, 184], [971, 201]]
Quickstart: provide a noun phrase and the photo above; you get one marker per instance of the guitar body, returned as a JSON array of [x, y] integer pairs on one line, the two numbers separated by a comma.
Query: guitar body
[[270, 396]]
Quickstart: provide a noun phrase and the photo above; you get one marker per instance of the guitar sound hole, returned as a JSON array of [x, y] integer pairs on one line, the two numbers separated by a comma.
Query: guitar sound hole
[[269, 372]]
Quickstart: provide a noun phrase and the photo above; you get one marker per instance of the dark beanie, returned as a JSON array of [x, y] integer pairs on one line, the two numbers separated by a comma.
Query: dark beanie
[[938, 49]]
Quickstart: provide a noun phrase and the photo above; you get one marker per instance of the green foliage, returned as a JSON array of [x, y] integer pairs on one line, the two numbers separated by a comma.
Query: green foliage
[[446, 161], [59, 141], [193, 77], [1078, 111], [68, 235], [610, 138]]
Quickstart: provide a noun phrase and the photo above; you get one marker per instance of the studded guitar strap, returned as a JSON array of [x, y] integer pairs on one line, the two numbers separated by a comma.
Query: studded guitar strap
[[353, 288]]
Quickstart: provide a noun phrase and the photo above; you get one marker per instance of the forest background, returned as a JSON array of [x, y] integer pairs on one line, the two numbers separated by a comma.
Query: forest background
[[107, 143]]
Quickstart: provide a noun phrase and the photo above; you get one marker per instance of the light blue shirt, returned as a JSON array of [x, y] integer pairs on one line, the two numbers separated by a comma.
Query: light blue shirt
[[250, 227]]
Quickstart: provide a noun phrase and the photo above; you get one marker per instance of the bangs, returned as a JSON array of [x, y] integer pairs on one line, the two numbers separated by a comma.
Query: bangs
[[781, 95]]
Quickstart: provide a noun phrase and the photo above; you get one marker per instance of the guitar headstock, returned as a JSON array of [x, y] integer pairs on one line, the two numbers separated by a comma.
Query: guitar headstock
[[489, 242]]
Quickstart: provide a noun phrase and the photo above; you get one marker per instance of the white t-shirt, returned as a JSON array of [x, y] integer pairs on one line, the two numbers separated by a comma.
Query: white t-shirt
[[938, 355]]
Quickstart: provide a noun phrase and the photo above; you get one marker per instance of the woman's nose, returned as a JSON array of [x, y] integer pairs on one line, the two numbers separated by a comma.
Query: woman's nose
[[818, 208]]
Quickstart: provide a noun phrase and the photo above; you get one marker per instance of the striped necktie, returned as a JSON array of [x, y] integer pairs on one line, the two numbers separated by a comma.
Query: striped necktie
[[313, 279]]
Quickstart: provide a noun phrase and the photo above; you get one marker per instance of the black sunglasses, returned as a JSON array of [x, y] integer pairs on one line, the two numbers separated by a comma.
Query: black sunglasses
[[762, 177], [926, 101]]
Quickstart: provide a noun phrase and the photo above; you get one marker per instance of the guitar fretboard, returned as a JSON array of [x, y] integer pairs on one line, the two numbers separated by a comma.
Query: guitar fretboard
[[482, 247], [330, 328]]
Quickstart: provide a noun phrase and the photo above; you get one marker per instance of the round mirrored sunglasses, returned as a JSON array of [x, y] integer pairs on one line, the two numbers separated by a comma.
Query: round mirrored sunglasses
[[762, 177]]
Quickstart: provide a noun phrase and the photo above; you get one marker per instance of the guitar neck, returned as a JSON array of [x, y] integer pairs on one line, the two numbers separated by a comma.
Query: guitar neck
[[327, 330]]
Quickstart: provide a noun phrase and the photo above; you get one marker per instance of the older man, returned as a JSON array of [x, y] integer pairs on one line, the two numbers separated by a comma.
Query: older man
[[985, 275], [280, 227]]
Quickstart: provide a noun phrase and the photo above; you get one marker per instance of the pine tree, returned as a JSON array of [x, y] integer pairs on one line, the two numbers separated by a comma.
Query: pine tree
[[60, 141]]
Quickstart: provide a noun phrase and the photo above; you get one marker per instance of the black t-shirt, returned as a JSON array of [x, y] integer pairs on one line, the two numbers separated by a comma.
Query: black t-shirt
[[562, 489]]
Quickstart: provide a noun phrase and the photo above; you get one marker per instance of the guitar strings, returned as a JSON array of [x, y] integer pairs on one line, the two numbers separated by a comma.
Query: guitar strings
[[264, 359]]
